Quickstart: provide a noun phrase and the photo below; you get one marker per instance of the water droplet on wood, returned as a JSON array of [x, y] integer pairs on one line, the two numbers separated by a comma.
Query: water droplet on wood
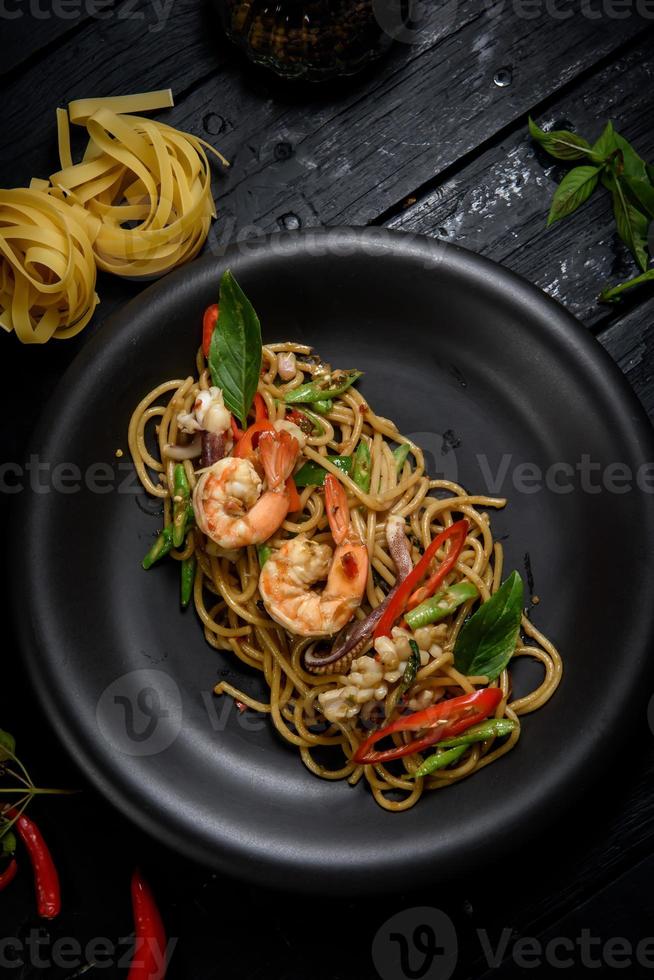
[[503, 77]]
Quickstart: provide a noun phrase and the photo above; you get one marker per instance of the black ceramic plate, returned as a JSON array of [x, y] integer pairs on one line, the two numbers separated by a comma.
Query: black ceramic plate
[[507, 393]]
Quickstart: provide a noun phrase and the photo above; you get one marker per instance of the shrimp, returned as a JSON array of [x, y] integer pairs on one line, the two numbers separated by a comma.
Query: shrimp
[[229, 504], [286, 578]]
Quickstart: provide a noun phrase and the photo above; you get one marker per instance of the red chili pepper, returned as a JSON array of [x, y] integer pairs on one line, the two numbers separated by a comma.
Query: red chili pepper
[[260, 410], [405, 594], [236, 432], [46, 879], [249, 440], [294, 502], [443, 720], [208, 327], [8, 874], [149, 960]]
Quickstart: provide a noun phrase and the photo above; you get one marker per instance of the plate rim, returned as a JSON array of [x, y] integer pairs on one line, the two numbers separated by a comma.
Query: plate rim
[[516, 289]]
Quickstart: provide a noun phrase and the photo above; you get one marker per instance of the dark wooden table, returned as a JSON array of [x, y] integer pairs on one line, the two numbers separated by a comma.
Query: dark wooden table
[[428, 142]]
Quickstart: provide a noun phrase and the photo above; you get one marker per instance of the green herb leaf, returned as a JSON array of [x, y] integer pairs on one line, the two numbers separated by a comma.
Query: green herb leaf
[[613, 293], [235, 353], [575, 188], [643, 192], [560, 143], [606, 144], [8, 843], [7, 745], [632, 224], [313, 475], [487, 641], [632, 165]]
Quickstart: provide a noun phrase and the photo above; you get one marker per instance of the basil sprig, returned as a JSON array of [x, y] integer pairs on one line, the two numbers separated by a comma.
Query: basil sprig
[[613, 162], [487, 641], [235, 353]]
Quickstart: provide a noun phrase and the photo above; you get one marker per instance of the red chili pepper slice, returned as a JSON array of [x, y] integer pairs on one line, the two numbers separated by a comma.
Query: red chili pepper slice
[[149, 960], [260, 410], [443, 720], [208, 327], [46, 879], [236, 432], [8, 874], [405, 594], [294, 502], [247, 444]]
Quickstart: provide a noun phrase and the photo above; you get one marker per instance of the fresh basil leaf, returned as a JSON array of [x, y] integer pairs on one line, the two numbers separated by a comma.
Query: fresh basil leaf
[[575, 188], [487, 641], [8, 843], [613, 293], [606, 144], [236, 352], [631, 223], [632, 164], [650, 172], [7, 745], [560, 143], [643, 192]]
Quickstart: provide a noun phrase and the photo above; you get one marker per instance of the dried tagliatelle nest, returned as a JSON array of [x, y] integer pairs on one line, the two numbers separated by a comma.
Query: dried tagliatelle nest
[[47, 269], [137, 204]]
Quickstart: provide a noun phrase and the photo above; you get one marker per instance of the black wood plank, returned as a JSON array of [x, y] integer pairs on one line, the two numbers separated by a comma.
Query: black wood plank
[[612, 930], [135, 50], [498, 204], [630, 342], [30, 29], [325, 158], [348, 160]]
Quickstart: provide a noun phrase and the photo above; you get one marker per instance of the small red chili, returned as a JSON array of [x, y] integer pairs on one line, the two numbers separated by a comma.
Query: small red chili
[[46, 879], [294, 502], [149, 960], [8, 874], [236, 432], [260, 410], [246, 445], [208, 327]]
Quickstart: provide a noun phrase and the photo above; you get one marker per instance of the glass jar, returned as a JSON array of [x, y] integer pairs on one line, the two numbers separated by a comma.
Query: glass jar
[[309, 39]]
